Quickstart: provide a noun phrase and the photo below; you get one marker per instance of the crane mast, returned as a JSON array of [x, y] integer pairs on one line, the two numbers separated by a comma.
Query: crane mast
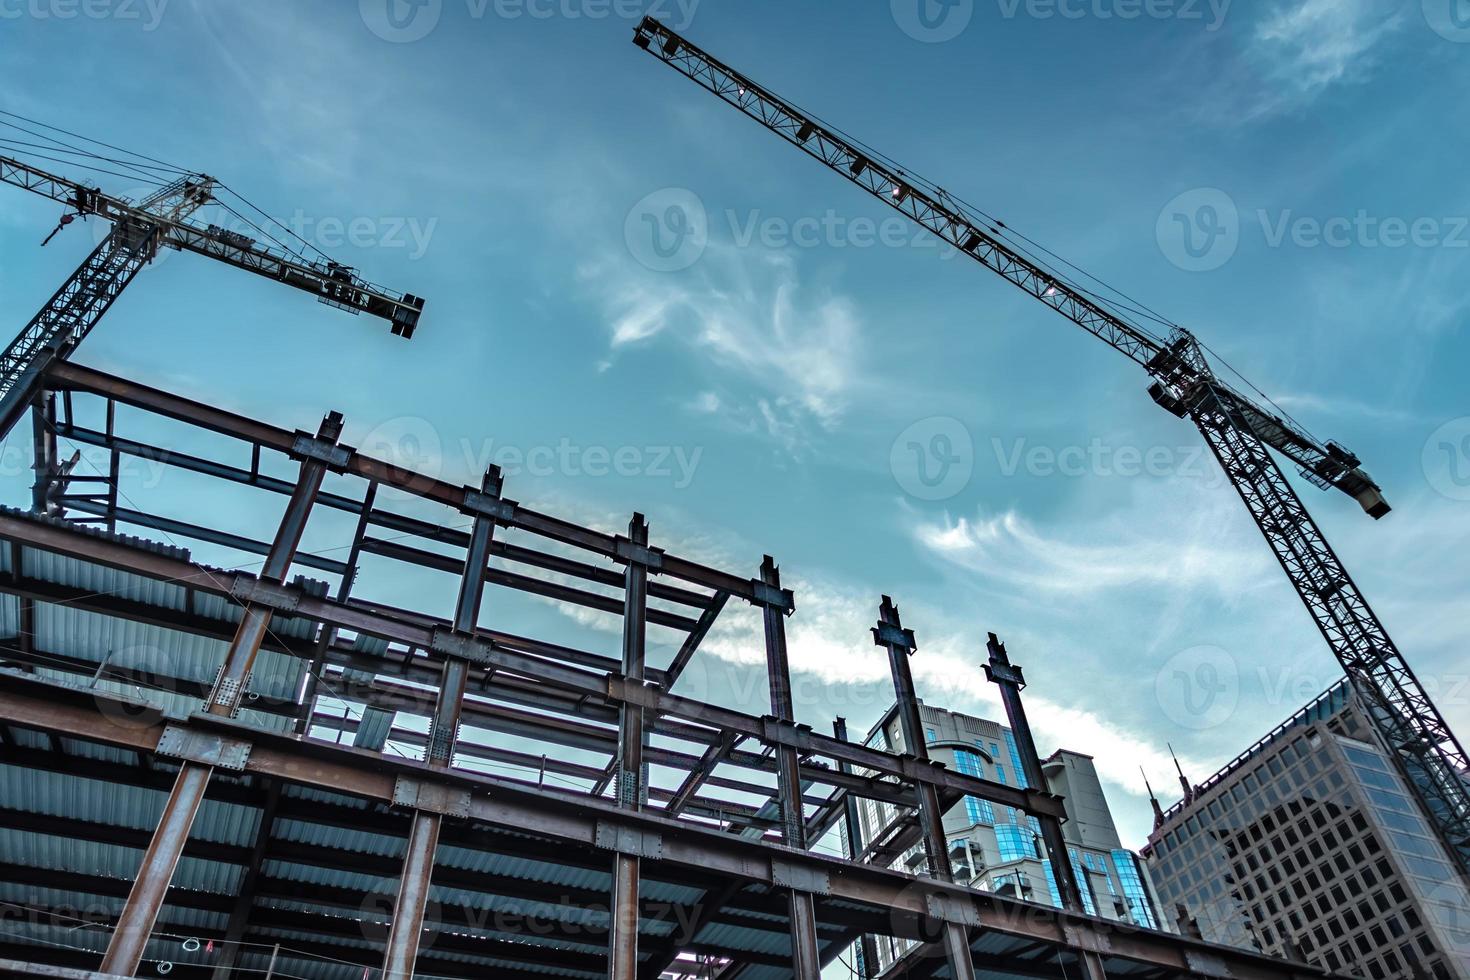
[[1239, 431], [163, 219]]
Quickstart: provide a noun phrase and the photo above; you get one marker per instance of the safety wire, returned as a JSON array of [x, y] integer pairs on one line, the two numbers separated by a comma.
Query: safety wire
[[142, 167]]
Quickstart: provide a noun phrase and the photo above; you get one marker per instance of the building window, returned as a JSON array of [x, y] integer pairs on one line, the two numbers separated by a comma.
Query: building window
[[1015, 843], [978, 810], [1134, 892], [1016, 766]]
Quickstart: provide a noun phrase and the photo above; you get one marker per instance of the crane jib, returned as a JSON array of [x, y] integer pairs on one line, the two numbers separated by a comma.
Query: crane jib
[[1322, 464], [1239, 432]]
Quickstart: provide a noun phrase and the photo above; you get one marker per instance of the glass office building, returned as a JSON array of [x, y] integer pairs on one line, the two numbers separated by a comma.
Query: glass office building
[[999, 849], [1311, 845]]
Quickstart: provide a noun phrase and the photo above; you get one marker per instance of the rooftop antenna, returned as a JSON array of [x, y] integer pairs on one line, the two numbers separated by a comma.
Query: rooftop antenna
[[1154, 800], [1183, 780]]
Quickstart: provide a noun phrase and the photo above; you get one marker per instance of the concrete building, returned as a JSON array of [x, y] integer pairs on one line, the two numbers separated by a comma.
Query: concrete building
[[1311, 845], [995, 848]]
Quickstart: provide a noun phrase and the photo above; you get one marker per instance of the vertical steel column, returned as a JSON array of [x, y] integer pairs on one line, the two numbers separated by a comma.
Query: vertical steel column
[[44, 455], [900, 643], [805, 961], [125, 949], [1011, 681], [328, 634], [853, 822], [405, 931], [622, 953]]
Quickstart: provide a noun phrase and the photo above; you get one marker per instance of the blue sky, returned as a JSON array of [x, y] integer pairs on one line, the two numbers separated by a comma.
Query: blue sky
[[765, 394]]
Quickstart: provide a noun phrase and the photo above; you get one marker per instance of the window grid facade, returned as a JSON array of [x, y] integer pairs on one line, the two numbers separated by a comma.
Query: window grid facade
[[998, 848], [1312, 847]]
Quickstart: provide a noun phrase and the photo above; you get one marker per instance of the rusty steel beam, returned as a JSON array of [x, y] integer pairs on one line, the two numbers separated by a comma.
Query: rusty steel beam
[[575, 823], [126, 946], [899, 642], [502, 653], [400, 953], [695, 638], [630, 776], [65, 376], [805, 960]]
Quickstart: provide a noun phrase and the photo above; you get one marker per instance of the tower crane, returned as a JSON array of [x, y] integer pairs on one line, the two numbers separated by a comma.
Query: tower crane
[[1240, 431], [166, 218]]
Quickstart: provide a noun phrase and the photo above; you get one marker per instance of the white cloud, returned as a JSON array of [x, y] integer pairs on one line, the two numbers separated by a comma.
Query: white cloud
[[1311, 45], [1110, 554], [750, 316]]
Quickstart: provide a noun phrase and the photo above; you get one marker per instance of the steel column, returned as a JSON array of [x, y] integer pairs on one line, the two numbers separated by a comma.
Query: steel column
[[889, 633], [804, 955], [1010, 679], [402, 949], [125, 949], [632, 791], [852, 822]]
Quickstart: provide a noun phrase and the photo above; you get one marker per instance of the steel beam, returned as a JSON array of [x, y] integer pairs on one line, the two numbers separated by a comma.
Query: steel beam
[[805, 961], [899, 642], [1010, 679], [135, 924], [630, 772], [63, 375], [401, 951], [853, 825]]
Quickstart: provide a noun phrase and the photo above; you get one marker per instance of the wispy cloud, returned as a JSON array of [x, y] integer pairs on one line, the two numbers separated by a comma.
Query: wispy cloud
[[793, 349], [1311, 45], [1076, 558]]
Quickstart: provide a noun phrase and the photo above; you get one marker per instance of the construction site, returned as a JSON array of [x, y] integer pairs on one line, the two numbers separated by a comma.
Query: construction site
[[283, 770]]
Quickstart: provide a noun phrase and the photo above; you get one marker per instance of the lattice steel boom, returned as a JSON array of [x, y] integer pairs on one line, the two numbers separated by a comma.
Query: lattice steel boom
[[165, 218], [1238, 429]]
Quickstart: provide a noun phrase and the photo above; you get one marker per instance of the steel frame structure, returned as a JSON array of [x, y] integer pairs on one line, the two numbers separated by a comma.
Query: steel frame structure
[[1239, 431], [757, 900]]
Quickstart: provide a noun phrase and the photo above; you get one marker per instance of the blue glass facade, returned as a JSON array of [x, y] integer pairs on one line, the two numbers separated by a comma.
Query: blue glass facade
[[1019, 769], [1134, 893], [978, 810]]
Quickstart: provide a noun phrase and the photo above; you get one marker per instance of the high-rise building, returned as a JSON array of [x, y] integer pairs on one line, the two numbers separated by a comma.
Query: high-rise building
[[1311, 845], [999, 849]]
